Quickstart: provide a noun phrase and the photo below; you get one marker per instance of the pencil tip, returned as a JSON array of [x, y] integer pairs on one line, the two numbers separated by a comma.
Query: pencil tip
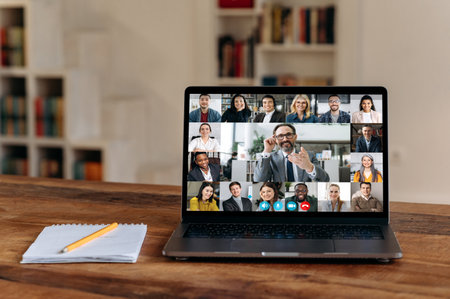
[[64, 250]]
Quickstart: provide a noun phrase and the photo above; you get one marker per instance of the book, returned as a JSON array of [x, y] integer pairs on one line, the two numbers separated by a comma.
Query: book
[[121, 245]]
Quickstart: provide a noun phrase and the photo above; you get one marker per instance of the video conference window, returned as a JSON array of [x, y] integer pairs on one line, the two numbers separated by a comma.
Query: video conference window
[[285, 152]]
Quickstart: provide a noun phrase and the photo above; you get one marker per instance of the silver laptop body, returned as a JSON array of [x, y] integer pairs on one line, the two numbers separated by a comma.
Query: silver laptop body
[[339, 152]]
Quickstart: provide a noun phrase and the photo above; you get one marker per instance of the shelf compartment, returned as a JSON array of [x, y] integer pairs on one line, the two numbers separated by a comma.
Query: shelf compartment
[[12, 36], [14, 160], [88, 165], [49, 108], [50, 161], [13, 106]]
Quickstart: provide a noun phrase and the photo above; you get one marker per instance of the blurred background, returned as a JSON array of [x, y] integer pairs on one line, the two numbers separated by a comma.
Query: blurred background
[[93, 89]]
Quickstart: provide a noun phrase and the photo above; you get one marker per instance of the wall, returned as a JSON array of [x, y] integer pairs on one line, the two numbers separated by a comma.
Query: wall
[[405, 45]]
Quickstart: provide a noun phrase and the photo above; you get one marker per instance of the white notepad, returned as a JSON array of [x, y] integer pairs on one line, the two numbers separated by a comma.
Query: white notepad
[[121, 245]]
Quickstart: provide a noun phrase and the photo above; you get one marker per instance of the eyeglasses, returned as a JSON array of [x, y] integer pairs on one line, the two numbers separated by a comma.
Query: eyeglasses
[[281, 136], [334, 101]]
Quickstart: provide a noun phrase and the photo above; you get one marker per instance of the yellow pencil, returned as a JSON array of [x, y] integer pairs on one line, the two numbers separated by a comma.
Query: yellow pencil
[[89, 238]]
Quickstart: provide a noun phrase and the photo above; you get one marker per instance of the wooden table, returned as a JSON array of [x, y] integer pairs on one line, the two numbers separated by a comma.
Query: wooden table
[[27, 205]]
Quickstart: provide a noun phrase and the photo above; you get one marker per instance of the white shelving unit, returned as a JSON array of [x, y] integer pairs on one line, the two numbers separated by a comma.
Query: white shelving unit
[[296, 59], [47, 72]]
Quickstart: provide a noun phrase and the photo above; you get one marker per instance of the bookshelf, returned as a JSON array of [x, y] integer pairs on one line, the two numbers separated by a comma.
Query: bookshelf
[[49, 112], [285, 57]]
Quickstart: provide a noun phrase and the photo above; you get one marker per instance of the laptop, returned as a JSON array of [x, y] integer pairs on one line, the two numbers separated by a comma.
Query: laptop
[[285, 172]]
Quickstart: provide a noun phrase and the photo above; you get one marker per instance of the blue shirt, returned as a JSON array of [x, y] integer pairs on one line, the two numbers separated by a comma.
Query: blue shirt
[[293, 118]]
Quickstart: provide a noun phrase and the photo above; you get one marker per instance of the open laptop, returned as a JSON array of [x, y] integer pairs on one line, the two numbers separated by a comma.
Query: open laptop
[[285, 172]]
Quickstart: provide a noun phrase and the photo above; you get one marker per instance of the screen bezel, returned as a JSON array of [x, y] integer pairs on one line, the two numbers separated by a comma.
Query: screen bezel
[[285, 217]]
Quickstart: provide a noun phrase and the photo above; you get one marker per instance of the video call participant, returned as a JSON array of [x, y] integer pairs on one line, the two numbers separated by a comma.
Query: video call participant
[[301, 110], [368, 142], [236, 203], [204, 113], [238, 112], [268, 193], [203, 170], [204, 201], [204, 143], [367, 172], [366, 113], [334, 202], [363, 201], [334, 115], [301, 196], [286, 164], [270, 115], [228, 167]]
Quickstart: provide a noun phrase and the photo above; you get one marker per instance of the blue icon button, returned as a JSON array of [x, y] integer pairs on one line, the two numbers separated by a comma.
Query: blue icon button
[[278, 206], [264, 206], [291, 206]]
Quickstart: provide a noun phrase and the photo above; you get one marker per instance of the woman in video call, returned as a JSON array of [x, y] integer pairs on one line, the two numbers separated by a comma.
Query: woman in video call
[[269, 193], [203, 170], [301, 111], [334, 202], [367, 172], [238, 112], [204, 143], [366, 113], [204, 201]]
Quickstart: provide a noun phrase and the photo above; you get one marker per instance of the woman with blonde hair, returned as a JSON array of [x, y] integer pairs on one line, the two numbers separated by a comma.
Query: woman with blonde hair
[[367, 173], [334, 203], [301, 111]]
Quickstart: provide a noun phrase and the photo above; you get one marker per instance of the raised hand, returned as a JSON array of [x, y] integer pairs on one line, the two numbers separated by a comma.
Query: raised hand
[[302, 160], [269, 144]]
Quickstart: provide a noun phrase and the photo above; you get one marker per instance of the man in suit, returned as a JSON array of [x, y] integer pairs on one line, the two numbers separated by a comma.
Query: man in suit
[[204, 113], [270, 115], [203, 170], [286, 164], [368, 143], [335, 115], [303, 201], [236, 203]]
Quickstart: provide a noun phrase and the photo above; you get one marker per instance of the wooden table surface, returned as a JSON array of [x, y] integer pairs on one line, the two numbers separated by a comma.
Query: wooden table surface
[[27, 205]]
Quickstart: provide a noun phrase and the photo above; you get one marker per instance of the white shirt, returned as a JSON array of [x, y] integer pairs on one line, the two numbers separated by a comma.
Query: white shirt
[[210, 145], [268, 116], [366, 117], [239, 202], [207, 176]]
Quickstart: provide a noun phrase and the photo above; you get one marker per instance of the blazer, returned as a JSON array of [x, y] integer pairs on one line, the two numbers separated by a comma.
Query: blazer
[[272, 169], [374, 146], [230, 205], [213, 116], [358, 117], [277, 117], [196, 173]]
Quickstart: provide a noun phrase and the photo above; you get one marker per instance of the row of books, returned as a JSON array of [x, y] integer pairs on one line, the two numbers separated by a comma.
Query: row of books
[[14, 165], [13, 115], [291, 80], [49, 116], [236, 57], [50, 168], [88, 170], [12, 46], [304, 25]]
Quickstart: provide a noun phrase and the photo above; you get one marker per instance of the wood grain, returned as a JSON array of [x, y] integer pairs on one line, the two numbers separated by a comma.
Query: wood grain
[[29, 204]]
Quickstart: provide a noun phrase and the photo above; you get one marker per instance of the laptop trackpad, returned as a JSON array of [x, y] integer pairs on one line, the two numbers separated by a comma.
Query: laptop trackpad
[[284, 245]]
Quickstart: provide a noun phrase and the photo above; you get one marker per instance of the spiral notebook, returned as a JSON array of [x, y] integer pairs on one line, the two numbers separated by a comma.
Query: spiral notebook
[[122, 245]]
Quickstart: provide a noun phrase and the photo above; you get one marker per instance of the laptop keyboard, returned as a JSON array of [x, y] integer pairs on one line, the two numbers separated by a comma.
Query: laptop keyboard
[[284, 231]]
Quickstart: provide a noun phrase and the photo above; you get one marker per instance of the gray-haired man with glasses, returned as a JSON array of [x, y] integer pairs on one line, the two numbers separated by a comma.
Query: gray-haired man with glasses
[[286, 164], [334, 115]]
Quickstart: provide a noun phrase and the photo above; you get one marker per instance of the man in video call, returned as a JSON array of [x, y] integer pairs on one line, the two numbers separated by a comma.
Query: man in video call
[[363, 201], [334, 115], [204, 113], [236, 203], [270, 115], [368, 142], [287, 164], [301, 197]]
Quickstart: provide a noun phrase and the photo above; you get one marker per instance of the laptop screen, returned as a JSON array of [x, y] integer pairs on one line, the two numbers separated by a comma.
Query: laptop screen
[[300, 151]]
